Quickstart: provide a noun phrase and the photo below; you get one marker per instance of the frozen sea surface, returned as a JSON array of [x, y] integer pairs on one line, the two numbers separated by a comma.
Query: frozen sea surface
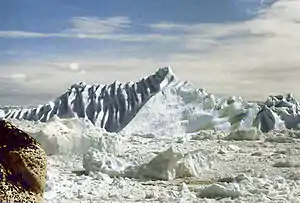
[[262, 168], [184, 145]]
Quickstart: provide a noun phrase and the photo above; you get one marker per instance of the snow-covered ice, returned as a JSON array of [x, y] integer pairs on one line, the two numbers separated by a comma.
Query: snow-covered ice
[[136, 168], [183, 145]]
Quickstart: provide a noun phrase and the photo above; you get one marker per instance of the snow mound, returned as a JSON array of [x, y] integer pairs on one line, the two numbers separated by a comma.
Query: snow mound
[[94, 160], [163, 166], [249, 134], [217, 191], [167, 165], [65, 136]]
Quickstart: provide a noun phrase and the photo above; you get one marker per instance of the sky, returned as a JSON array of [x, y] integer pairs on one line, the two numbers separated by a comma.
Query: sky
[[247, 48]]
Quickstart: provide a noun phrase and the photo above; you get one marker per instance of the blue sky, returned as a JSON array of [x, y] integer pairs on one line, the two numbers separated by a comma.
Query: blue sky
[[41, 40], [55, 16]]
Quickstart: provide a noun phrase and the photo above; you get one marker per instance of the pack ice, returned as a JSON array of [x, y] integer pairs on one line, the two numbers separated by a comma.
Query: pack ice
[[157, 139]]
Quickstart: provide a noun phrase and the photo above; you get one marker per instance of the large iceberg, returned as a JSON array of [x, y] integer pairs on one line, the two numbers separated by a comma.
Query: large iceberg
[[109, 106], [171, 103]]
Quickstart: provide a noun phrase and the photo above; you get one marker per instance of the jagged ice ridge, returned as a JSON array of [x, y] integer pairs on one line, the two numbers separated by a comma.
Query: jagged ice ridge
[[110, 106], [114, 106]]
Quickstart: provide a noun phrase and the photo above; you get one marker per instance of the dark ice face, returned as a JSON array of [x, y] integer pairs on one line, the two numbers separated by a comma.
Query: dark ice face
[[162, 73]]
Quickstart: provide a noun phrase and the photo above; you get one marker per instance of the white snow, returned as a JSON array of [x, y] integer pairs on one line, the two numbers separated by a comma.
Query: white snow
[[61, 136], [91, 165], [185, 145]]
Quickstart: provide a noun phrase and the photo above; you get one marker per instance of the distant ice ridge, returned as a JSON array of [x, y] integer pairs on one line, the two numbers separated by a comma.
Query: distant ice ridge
[[181, 108], [162, 105], [111, 107]]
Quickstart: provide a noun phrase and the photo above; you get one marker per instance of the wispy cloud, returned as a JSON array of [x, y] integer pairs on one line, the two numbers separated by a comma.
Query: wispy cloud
[[21, 34], [94, 28], [14, 77], [250, 58], [95, 25]]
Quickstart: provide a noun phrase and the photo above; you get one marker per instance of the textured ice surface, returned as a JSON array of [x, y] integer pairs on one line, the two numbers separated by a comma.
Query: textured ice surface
[[244, 171], [203, 164], [184, 145]]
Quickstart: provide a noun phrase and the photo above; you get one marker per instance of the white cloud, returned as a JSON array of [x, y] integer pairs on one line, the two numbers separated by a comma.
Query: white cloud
[[98, 36], [81, 27], [250, 58], [20, 34], [74, 66], [13, 76], [94, 28], [125, 37], [18, 76], [85, 25]]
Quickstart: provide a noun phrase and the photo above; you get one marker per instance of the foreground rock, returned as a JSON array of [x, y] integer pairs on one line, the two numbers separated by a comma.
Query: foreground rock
[[22, 166]]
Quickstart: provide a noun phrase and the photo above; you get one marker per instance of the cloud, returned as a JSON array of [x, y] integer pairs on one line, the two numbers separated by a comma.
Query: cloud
[[100, 36], [112, 28], [18, 76], [249, 58], [80, 26], [21, 34], [74, 66], [95, 25]]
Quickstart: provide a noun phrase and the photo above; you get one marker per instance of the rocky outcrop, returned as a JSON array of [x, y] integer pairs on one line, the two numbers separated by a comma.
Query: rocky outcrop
[[22, 166]]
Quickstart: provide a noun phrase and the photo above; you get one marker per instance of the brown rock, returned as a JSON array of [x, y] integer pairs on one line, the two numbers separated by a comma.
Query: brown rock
[[22, 166]]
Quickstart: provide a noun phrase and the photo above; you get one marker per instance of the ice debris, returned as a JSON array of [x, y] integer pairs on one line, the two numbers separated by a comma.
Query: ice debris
[[167, 165], [94, 160], [249, 134], [217, 191]]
